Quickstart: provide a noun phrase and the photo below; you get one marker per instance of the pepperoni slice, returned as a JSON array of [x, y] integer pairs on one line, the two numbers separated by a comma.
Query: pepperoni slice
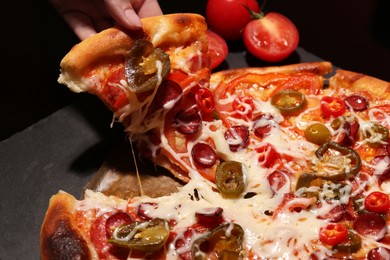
[[371, 225], [188, 121], [104, 249], [356, 102], [237, 137], [117, 220], [267, 154], [378, 253], [210, 217], [169, 94], [277, 180], [204, 155], [144, 209], [263, 125]]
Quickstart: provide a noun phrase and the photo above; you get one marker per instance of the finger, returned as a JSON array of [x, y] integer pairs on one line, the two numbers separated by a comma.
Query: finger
[[148, 8], [123, 13], [80, 23]]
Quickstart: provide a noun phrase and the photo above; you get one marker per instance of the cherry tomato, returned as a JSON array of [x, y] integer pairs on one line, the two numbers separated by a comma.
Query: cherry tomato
[[377, 202], [332, 106], [271, 37], [333, 234], [218, 48], [228, 18]]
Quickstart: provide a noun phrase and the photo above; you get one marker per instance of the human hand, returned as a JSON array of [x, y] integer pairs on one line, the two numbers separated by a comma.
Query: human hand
[[87, 17]]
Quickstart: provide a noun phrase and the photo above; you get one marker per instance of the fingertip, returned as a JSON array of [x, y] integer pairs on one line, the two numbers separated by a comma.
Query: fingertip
[[134, 22]]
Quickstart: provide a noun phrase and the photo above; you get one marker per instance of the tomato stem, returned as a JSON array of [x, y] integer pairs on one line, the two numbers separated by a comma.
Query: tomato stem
[[253, 14]]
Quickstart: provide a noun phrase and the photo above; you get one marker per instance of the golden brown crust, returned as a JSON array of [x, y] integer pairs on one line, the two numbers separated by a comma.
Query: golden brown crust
[[166, 32], [60, 238], [357, 82], [319, 68]]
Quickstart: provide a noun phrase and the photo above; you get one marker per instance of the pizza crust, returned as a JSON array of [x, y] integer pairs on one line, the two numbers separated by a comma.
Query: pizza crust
[[60, 236], [319, 68], [166, 32], [358, 82]]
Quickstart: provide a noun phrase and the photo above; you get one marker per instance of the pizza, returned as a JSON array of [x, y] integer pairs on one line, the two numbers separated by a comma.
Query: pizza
[[280, 162]]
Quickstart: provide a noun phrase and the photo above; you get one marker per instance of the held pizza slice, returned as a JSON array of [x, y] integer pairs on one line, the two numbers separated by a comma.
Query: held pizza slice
[[143, 75]]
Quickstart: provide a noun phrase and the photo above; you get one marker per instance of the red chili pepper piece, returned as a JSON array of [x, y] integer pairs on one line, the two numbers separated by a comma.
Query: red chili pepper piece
[[332, 106], [333, 234], [377, 202]]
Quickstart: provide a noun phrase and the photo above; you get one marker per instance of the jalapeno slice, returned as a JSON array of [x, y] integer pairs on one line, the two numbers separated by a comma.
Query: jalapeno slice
[[230, 178], [145, 66], [225, 241], [375, 133], [354, 160], [145, 236], [289, 102], [352, 245]]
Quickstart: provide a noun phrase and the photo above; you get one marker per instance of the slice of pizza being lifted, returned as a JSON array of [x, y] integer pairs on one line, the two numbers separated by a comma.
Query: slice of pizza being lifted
[[143, 74]]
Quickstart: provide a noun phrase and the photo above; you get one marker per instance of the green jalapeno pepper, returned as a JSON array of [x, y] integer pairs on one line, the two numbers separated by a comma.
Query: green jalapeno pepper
[[230, 178], [376, 133], [145, 66], [145, 236], [352, 155], [289, 102], [352, 245], [225, 240]]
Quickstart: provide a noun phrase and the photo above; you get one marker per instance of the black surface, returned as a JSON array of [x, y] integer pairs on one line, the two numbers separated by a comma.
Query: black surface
[[61, 152]]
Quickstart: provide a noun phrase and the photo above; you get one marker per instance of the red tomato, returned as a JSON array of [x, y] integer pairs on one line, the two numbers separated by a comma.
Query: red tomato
[[228, 18], [332, 106], [271, 38], [218, 48], [333, 234], [377, 202]]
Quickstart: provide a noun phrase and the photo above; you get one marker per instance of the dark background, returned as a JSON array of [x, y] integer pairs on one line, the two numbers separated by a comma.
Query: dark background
[[353, 34]]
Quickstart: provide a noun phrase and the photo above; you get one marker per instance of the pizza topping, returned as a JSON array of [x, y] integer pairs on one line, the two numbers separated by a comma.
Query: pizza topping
[[356, 102], [375, 133], [145, 66], [317, 133], [371, 225], [352, 245], [378, 253], [263, 125], [289, 102], [344, 163], [116, 220], [169, 94], [279, 180], [243, 107], [333, 234], [205, 101], [188, 121], [223, 241], [209, 216], [267, 154], [237, 137], [145, 236], [377, 202], [332, 106], [203, 155], [230, 178], [346, 129]]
